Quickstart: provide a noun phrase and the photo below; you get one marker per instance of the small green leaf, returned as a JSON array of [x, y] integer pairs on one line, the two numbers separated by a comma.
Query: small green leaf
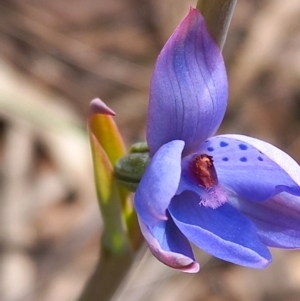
[[106, 132], [115, 236], [121, 231]]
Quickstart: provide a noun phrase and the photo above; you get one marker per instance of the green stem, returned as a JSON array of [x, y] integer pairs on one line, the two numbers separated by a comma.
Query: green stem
[[107, 277], [217, 14]]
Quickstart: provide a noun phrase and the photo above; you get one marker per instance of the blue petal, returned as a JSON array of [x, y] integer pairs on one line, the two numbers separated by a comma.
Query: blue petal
[[159, 183], [188, 91], [222, 232], [275, 154], [247, 171], [169, 246], [277, 220]]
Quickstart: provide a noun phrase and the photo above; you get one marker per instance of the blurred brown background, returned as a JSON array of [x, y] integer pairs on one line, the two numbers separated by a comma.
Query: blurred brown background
[[55, 56]]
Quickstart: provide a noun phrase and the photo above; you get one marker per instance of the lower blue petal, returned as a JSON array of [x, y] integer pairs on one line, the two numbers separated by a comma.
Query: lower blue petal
[[222, 232], [247, 171], [170, 246], [159, 183], [277, 220]]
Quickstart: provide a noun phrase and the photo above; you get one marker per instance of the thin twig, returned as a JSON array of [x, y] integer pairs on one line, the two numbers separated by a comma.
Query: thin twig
[[217, 14]]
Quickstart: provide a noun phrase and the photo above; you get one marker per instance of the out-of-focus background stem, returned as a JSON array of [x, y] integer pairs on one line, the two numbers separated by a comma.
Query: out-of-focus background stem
[[218, 14]]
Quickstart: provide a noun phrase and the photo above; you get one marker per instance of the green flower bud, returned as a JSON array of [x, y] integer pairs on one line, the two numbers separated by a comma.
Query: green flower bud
[[130, 168], [139, 147]]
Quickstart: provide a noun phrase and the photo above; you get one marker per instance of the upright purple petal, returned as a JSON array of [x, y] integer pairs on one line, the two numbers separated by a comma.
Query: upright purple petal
[[249, 172], [159, 183], [277, 220], [170, 246], [222, 232], [188, 90]]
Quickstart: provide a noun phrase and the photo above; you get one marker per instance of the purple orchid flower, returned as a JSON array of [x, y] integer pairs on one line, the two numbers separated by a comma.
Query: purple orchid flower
[[231, 195]]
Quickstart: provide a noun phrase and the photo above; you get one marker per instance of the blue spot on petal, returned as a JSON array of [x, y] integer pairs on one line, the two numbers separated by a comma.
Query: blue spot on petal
[[225, 159], [210, 149], [223, 144], [260, 159], [243, 159], [243, 146]]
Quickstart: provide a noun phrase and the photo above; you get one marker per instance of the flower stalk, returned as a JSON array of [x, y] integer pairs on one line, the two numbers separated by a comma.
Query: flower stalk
[[121, 235], [109, 274]]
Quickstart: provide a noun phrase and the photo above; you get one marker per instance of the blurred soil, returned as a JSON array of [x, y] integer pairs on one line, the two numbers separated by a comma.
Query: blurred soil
[[55, 56]]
